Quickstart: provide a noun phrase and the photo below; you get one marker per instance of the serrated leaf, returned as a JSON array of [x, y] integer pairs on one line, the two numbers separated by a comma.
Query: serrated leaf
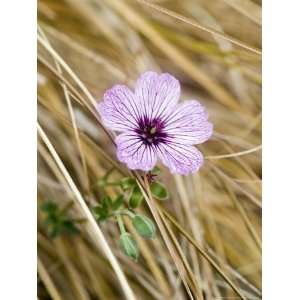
[[159, 191], [128, 183], [129, 245], [118, 202], [144, 226], [136, 197]]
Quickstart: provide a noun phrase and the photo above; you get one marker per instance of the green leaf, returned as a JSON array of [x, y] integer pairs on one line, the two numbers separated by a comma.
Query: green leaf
[[69, 227], [63, 227], [128, 183], [144, 226], [136, 197], [54, 231], [49, 207], [51, 219], [159, 191], [129, 245], [118, 202], [100, 212], [107, 202]]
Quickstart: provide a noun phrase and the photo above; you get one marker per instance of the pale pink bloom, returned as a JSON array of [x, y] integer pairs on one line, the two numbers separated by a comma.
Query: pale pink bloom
[[153, 125]]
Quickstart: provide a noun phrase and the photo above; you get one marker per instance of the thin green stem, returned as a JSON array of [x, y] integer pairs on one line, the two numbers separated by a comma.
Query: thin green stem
[[128, 213], [120, 223]]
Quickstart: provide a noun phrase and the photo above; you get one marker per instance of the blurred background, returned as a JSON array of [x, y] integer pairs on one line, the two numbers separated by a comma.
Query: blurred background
[[213, 48]]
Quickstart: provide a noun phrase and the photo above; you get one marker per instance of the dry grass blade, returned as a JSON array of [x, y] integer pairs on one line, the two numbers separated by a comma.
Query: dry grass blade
[[248, 8], [96, 233], [196, 289], [203, 253], [68, 69], [245, 217], [47, 281], [195, 24], [178, 58], [214, 224], [245, 152], [71, 112], [179, 265]]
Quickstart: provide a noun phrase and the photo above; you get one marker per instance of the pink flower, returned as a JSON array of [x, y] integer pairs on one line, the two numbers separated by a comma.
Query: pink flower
[[154, 126]]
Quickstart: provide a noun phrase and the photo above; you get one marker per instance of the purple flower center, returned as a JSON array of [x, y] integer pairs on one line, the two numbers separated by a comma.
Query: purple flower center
[[151, 131]]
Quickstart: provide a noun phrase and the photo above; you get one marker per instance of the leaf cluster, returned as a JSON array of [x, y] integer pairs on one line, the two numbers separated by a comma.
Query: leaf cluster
[[57, 221]]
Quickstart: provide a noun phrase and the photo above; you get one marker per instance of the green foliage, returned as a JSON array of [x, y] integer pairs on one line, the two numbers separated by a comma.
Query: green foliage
[[128, 183], [129, 245], [117, 203], [136, 197], [107, 206], [62, 227], [49, 207], [159, 191], [144, 226], [57, 221], [100, 212]]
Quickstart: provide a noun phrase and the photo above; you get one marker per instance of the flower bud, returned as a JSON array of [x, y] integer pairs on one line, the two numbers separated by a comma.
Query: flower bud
[[129, 245], [136, 197], [159, 191], [144, 226]]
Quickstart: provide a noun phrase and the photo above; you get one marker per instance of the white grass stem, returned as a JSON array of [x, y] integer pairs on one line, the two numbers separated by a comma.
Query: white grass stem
[[95, 230], [241, 153], [68, 69]]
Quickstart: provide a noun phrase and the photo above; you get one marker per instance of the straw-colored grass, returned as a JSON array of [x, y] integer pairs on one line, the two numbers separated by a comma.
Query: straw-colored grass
[[208, 243]]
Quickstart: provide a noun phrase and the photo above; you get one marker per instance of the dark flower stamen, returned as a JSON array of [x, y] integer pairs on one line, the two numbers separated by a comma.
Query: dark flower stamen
[[151, 131]]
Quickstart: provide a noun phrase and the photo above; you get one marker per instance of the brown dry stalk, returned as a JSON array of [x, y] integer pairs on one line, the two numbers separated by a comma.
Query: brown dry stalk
[[93, 228], [72, 116], [45, 277], [199, 26], [202, 252], [179, 265], [183, 62]]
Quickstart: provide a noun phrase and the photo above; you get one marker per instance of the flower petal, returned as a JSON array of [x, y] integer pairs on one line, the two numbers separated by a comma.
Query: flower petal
[[158, 94], [132, 151], [119, 110], [188, 123], [181, 159]]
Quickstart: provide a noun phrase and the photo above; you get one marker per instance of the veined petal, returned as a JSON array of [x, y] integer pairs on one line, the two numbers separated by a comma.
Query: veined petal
[[132, 151], [119, 110], [158, 94], [188, 124], [181, 159]]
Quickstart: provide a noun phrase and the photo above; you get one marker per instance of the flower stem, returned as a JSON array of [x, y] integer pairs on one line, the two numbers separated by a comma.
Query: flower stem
[[120, 223], [128, 213]]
